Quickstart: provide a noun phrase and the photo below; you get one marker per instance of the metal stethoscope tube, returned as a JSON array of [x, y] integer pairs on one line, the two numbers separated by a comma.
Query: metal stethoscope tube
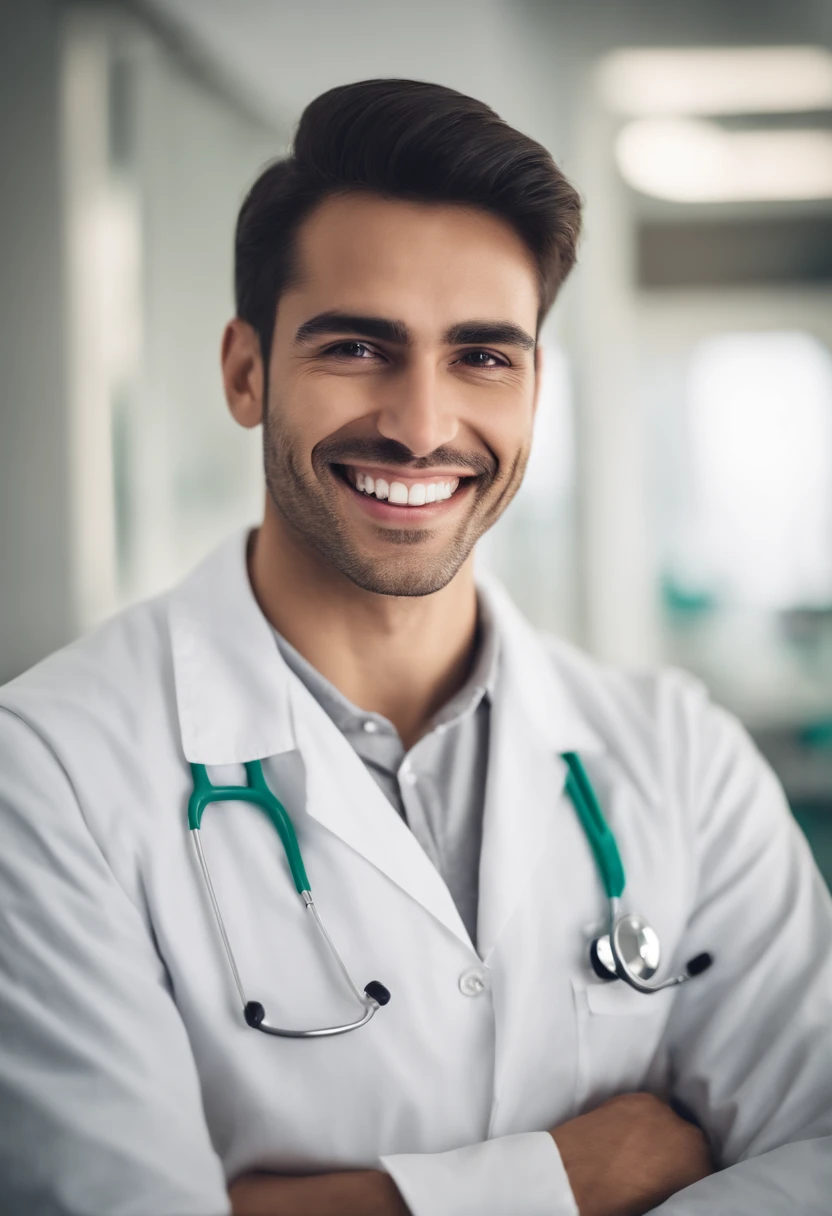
[[374, 996]]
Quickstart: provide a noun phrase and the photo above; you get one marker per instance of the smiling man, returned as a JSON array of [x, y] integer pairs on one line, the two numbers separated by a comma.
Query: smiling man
[[498, 829]]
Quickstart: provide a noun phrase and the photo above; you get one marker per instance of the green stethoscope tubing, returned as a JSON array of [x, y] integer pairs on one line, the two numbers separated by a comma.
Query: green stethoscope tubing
[[257, 792], [578, 787], [596, 829]]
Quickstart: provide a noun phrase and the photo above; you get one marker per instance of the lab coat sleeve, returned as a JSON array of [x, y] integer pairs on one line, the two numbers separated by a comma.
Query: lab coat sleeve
[[750, 1043], [100, 1106], [519, 1175]]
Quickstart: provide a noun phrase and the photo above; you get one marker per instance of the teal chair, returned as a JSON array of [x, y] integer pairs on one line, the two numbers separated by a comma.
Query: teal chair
[[816, 822], [815, 816]]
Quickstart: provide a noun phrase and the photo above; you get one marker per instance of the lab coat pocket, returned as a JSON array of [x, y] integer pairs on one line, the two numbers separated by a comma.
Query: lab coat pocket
[[619, 1032]]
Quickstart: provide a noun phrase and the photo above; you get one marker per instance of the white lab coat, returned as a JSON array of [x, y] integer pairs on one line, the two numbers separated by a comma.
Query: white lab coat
[[129, 1082]]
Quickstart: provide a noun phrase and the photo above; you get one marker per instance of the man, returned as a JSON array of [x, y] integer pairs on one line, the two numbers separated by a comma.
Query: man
[[391, 279]]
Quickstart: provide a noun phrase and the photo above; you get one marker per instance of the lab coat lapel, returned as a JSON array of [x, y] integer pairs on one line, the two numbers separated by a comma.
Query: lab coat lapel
[[533, 721], [343, 797]]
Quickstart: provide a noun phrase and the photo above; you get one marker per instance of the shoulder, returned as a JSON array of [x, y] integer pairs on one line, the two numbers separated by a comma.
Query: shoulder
[[107, 680], [662, 720], [649, 700]]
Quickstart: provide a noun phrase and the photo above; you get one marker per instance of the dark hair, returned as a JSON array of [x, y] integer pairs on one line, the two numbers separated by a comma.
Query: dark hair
[[401, 139]]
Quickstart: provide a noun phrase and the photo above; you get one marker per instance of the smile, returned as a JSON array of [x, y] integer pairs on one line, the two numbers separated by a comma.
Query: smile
[[402, 489]]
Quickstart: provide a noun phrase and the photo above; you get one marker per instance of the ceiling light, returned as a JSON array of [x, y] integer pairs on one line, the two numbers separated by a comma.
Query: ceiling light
[[691, 161], [720, 80]]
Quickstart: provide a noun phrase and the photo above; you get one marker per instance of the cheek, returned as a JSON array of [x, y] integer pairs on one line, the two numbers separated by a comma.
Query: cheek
[[505, 426], [318, 406]]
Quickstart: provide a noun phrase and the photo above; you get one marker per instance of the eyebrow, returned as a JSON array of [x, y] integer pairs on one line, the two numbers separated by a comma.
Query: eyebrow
[[476, 332], [464, 333], [349, 323]]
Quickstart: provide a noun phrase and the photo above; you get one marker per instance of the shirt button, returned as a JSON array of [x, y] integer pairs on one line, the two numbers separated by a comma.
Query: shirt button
[[370, 726], [408, 777], [474, 981]]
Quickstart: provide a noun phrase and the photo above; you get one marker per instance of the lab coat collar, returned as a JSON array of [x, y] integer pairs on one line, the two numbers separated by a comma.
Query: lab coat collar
[[528, 679], [232, 688]]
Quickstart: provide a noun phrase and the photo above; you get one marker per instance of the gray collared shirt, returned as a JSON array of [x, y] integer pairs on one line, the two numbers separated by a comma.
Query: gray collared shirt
[[438, 787]]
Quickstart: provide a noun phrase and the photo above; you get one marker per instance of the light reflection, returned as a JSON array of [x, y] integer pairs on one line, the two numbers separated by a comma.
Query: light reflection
[[691, 161], [717, 80], [760, 428]]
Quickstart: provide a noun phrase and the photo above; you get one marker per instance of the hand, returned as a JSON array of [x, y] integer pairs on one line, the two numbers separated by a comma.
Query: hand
[[629, 1155]]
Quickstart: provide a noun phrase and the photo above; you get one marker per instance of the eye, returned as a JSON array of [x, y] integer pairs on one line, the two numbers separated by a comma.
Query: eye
[[483, 358], [351, 350]]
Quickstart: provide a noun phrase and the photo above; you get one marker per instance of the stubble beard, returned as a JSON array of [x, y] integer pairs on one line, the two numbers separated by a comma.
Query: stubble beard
[[309, 505]]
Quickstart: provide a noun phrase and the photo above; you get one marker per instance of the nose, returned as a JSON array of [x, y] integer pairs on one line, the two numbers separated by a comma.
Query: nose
[[415, 413]]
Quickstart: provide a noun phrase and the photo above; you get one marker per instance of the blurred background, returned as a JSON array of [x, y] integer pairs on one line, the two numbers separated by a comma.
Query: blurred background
[[678, 506]]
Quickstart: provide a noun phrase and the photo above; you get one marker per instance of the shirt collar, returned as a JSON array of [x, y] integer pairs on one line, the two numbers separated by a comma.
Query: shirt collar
[[232, 683]]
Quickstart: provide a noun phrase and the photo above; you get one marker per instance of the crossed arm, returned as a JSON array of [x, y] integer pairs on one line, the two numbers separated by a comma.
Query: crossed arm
[[622, 1159]]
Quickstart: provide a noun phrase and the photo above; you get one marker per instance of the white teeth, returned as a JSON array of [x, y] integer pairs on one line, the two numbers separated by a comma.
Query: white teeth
[[397, 492]]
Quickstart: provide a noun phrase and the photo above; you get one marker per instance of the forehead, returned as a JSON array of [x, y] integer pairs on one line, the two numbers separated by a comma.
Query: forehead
[[428, 264]]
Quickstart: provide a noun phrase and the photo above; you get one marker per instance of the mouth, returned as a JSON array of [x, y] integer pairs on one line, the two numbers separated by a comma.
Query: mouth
[[395, 495]]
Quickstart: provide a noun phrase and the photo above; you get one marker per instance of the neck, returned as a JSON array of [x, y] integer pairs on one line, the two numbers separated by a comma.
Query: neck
[[399, 656]]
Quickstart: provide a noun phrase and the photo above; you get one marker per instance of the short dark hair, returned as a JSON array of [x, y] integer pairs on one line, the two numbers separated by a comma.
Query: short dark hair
[[401, 139]]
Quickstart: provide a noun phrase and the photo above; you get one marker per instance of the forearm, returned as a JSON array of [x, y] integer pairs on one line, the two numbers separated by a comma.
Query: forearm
[[358, 1193]]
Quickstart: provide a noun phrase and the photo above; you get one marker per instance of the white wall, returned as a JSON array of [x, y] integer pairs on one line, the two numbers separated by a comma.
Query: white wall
[[36, 594]]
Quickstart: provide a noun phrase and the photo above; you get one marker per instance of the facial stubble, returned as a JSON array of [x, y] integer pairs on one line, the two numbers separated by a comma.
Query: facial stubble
[[308, 501]]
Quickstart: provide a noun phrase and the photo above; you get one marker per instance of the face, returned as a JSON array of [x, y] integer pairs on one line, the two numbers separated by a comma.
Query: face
[[402, 387]]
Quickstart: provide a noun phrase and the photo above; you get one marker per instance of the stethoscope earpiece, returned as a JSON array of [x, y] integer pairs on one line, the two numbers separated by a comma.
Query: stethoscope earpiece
[[699, 964], [377, 992], [254, 1014]]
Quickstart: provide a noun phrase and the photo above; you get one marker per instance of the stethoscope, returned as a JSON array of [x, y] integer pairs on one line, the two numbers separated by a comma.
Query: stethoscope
[[629, 951]]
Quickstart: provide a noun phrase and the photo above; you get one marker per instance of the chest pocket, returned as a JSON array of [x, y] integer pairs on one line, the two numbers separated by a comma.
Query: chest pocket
[[619, 1039]]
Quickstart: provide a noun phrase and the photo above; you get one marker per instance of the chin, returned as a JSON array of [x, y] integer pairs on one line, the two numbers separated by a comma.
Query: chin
[[401, 578]]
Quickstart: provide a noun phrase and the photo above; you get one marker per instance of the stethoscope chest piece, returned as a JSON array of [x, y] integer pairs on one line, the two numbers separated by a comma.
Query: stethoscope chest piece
[[631, 952], [637, 945]]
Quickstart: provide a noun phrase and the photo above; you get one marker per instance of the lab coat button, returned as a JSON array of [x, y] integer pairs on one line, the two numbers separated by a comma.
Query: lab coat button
[[474, 981]]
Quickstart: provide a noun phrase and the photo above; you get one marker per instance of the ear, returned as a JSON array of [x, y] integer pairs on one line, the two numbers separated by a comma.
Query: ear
[[242, 372]]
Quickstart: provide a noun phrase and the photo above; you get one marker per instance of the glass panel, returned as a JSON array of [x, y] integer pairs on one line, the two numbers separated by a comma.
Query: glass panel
[[745, 523]]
